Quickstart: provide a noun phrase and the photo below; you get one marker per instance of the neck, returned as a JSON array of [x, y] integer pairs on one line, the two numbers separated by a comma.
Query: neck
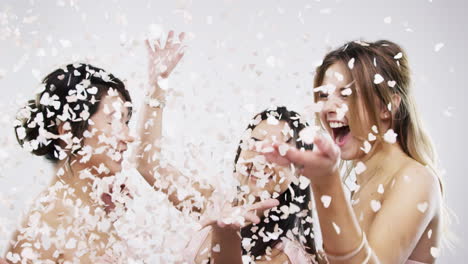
[[378, 159], [78, 177]]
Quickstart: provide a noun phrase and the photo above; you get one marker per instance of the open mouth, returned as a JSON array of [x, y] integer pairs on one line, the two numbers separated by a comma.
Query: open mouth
[[340, 132]]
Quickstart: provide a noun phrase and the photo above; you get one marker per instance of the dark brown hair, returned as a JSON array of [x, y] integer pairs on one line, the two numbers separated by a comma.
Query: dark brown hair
[[69, 94]]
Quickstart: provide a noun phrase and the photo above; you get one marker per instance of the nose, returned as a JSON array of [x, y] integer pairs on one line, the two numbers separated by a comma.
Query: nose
[[331, 104], [126, 136]]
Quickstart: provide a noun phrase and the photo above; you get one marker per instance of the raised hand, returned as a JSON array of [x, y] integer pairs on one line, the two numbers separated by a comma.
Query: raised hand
[[238, 216], [316, 164], [163, 60]]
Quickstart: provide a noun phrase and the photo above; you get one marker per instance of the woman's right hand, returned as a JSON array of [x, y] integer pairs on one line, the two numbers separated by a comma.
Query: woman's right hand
[[163, 58], [238, 216]]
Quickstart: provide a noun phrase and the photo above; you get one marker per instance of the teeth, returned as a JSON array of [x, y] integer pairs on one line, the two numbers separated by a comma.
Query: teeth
[[336, 124]]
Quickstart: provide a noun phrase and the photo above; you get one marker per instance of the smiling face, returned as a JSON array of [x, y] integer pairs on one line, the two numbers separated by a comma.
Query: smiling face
[[263, 179], [107, 137], [337, 87]]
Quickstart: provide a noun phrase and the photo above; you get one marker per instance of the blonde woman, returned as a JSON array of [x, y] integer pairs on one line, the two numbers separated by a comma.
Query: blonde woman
[[368, 110]]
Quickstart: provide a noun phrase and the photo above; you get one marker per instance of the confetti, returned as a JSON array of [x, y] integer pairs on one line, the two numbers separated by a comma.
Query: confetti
[[326, 200], [303, 182], [351, 63], [367, 147], [438, 46], [360, 167], [378, 78], [390, 136], [380, 189], [375, 205], [388, 20], [337, 228], [307, 135], [217, 248], [422, 207]]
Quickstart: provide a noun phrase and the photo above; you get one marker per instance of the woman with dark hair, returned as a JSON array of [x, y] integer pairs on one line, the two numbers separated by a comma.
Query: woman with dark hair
[[282, 233], [79, 121], [368, 109]]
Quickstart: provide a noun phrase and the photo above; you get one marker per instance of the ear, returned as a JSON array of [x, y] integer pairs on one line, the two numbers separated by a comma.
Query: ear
[[387, 110]]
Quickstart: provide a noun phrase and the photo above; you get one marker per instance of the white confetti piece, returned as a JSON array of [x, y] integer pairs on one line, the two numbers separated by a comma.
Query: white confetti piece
[[271, 120], [449, 111], [429, 234], [378, 78], [390, 136], [367, 146], [371, 137], [217, 248], [388, 20], [209, 20], [2, 73], [326, 200], [303, 182], [338, 76], [438, 46], [375, 205], [380, 189], [337, 228], [293, 208], [71, 243], [374, 129], [155, 31], [422, 207], [389, 107], [360, 167], [307, 134], [435, 252], [283, 148], [271, 61], [21, 132], [65, 43], [346, 92], [391, 84], [351, 63], [398, 56], [341, 111]]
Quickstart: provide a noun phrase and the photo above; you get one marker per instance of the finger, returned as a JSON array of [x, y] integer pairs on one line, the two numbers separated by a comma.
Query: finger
[[252, 217], [275, 157], [263, 205], [181, 36], [325, 145], [148, 46], [298, 157], [170, 38]]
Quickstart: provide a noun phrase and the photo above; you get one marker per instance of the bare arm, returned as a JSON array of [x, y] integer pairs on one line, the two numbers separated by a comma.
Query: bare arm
[[397, 226], [162, 61]]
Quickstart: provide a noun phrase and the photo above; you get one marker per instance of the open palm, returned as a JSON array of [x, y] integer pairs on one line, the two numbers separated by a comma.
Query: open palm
[[164, 58]]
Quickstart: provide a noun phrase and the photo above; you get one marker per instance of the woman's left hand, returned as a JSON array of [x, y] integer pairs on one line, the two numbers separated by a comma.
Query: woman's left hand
[[319, 165]]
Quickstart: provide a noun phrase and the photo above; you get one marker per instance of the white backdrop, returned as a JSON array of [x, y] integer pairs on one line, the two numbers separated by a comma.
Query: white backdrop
[[242, 56]]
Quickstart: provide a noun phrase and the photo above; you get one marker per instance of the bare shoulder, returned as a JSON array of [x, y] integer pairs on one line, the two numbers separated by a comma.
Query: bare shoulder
[[414, 181], [49, 215]]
